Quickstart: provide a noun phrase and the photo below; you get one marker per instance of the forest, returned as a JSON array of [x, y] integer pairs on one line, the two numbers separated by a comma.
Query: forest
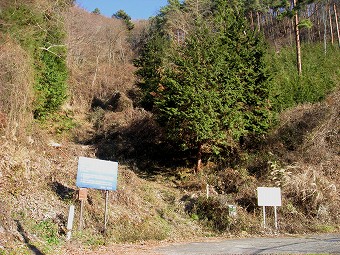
[[200, 105]]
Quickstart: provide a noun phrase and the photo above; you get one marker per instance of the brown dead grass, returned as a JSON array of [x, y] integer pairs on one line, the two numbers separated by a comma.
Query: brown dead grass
[[307, 148], [15, 90]]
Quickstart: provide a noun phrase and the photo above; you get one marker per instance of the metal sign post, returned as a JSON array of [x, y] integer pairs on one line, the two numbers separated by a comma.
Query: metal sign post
[[275, 215], [96, 174], [269, 197], [264, 216], [106, 209]]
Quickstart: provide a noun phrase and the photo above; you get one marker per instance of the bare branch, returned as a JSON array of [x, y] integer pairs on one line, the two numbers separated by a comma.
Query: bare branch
[[52, 46]]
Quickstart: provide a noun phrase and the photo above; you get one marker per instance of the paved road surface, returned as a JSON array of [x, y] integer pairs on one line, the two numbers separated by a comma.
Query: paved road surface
[[322, 244]]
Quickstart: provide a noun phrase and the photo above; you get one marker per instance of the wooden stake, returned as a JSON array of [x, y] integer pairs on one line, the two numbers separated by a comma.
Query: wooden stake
[[207, 190], [81, 215]]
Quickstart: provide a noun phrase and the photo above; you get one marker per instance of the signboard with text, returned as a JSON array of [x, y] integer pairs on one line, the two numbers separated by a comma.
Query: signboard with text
[[97, 174]]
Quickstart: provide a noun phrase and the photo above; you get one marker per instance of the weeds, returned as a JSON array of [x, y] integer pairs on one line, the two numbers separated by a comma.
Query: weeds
[[89, 238], [60, 124], [48, 231], [16, 77], [213, 213]]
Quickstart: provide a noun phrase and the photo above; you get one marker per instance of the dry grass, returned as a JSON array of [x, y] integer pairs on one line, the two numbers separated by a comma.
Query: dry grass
[[38, 184], [16, 89], [307, 148]]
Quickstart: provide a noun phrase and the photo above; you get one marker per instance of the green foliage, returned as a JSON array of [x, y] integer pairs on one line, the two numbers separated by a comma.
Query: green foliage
[[41, 33], [48, 230], [96, 11], [320, 75], [212, 213], [213, 87], [121, 14], [50, 85], [305, 23], [18, 23], [59, 123], [150, 66]]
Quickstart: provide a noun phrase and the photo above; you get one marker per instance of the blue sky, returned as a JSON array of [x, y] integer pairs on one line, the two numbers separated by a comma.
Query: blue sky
[[137, 9]]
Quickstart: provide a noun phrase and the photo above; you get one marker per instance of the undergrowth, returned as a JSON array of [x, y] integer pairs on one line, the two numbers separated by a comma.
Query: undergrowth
[[320, 75]]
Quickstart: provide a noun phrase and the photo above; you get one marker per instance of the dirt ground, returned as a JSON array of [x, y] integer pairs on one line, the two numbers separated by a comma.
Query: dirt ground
[[133, 249]]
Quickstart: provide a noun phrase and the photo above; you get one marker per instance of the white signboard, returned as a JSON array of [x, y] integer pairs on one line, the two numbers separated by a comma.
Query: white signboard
[[97, 174], [268, 196]]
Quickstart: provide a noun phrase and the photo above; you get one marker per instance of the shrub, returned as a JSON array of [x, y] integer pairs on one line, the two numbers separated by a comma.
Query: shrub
[[212, 212], [50, 87]]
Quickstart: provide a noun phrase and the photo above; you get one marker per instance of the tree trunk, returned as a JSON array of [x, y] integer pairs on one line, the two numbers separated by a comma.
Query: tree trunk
[[336, 22], [199, 158], [291, 31], [95, 74], [258, 21], [252, 20], [297, 41], [330, 24], [324, 17]]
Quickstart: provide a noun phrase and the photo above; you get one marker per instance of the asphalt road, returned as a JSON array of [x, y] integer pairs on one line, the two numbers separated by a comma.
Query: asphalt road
[[321, 244]]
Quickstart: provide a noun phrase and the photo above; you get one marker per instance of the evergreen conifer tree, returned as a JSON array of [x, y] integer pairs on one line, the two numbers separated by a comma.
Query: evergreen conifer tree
[[210, 89]]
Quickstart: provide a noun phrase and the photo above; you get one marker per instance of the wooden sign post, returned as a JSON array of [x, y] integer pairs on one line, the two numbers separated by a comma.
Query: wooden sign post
[[82, 196]]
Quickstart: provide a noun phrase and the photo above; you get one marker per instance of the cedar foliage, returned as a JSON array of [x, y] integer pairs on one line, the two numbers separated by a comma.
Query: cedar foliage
[[121, 14], [210, 87]]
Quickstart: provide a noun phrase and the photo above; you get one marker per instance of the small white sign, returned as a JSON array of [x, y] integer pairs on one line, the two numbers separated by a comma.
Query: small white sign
[[268, 196], [232, 210]]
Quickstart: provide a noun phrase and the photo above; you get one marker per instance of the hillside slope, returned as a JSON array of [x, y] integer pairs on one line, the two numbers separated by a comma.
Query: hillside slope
[[158, 197], [38, 185]]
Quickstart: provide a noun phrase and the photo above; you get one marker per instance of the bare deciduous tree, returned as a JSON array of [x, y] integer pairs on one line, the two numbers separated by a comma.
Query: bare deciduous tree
[[99, 56]]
